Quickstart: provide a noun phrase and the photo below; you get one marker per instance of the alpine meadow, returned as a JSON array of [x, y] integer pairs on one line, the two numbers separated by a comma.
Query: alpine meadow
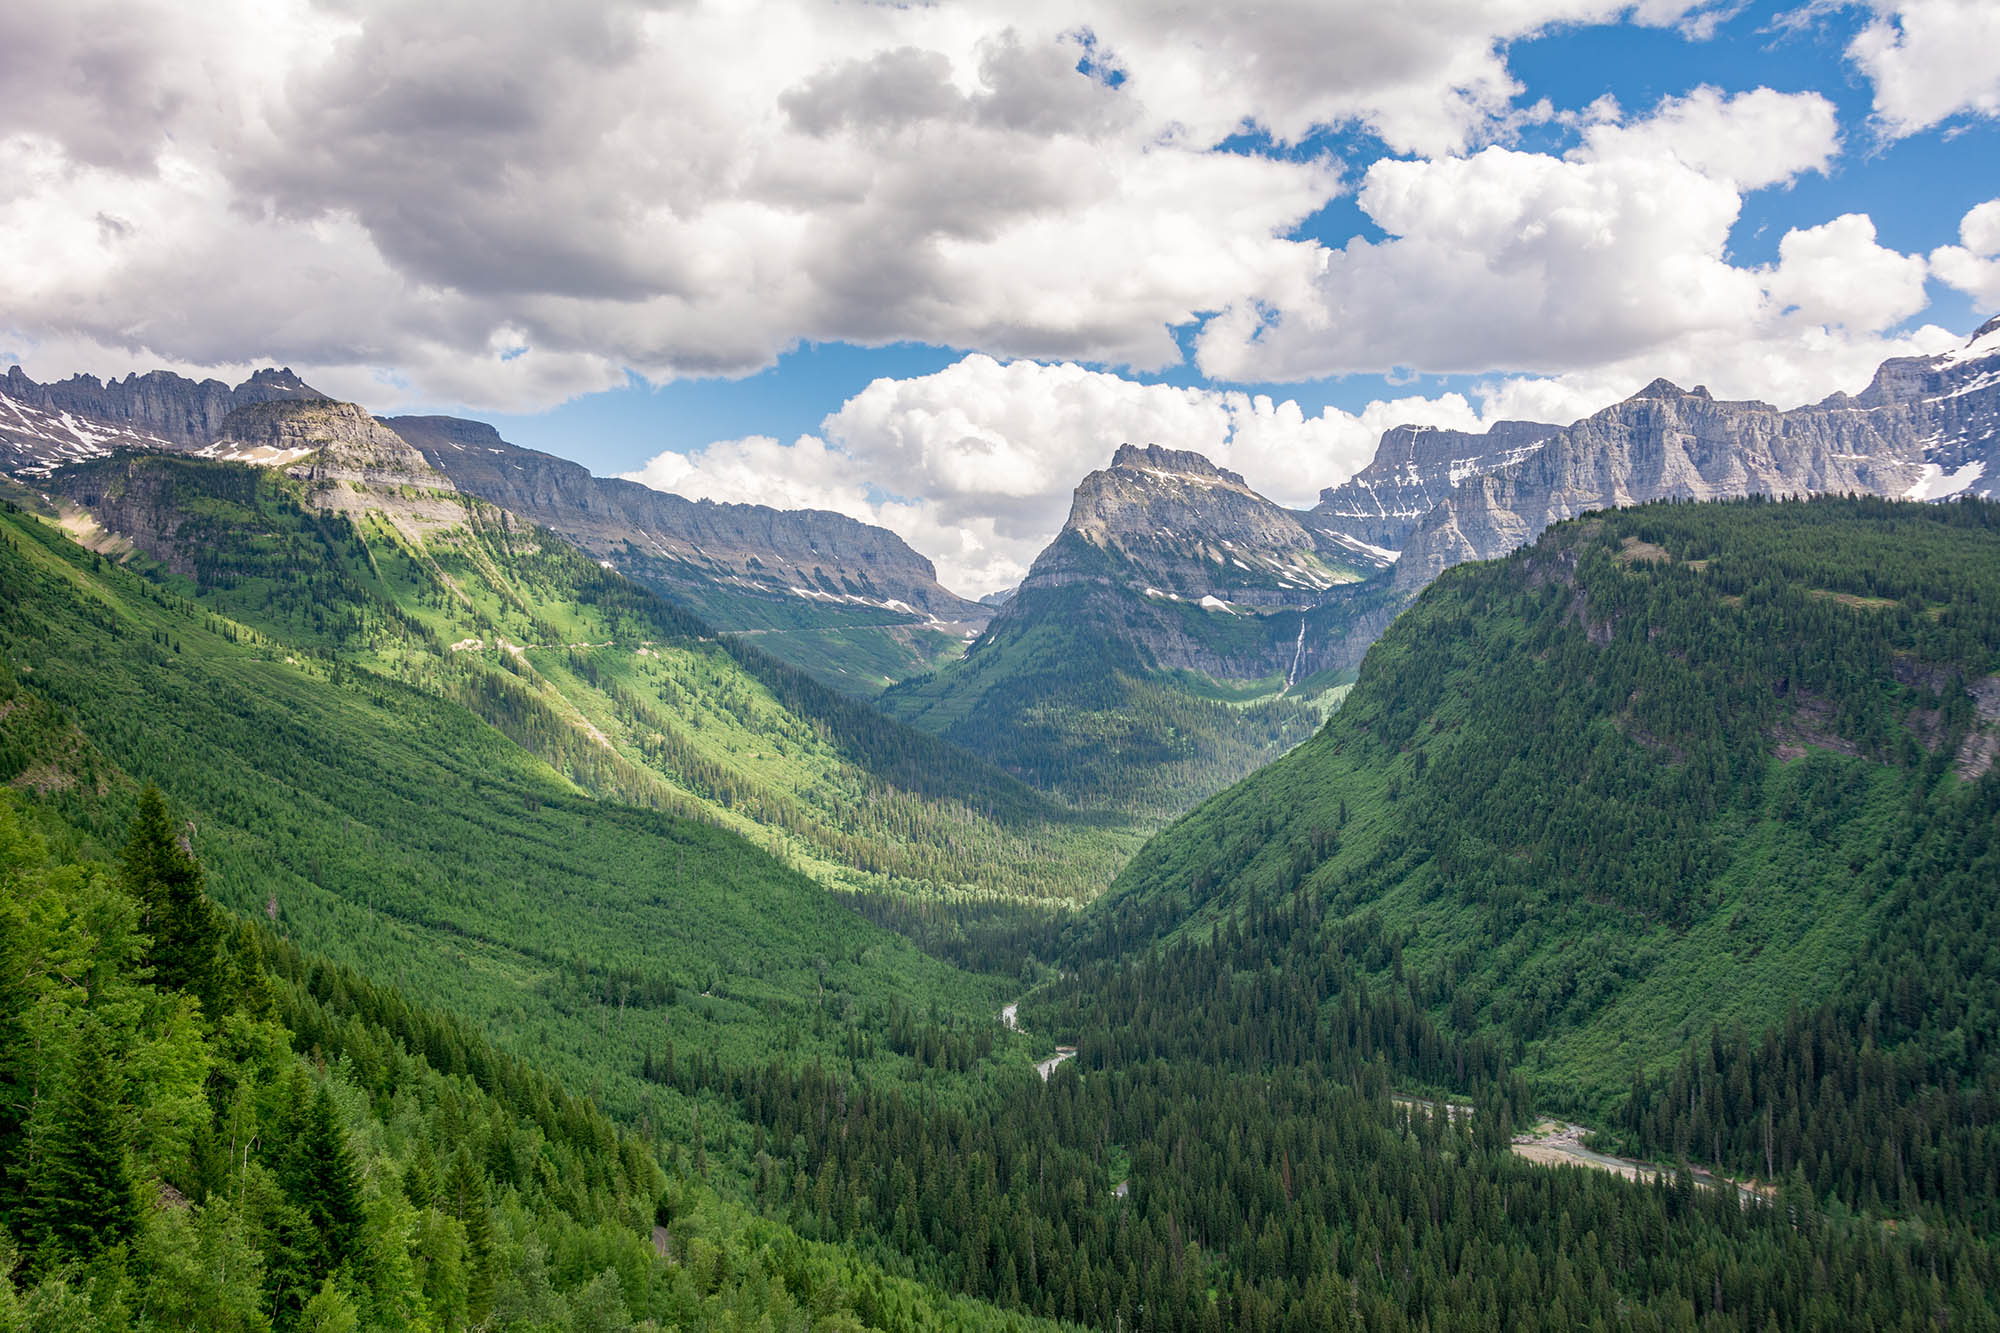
[[823, 665]]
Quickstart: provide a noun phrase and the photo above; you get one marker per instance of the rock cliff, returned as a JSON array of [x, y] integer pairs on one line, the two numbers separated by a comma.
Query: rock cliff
[[158, 404], [1924, 428], [703, 552]]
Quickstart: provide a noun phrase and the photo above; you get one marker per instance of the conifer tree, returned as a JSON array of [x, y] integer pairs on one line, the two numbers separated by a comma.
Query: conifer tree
[[319, 1180], [80, 1194], [173, 906]]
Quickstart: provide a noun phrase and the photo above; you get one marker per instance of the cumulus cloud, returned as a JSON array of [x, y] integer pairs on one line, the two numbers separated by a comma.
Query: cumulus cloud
[[1508, 261], [1930, 60], [1973, 265], [979, 459], [386, 191], [1755, 139]]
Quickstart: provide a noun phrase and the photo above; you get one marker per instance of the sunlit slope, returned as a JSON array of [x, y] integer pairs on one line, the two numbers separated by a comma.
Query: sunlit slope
[[1669, 767], [396, 831], [625, 693]]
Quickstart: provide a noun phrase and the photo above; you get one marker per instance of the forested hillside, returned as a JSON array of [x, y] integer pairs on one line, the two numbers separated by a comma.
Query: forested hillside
[[1690, 808], [203, 1128], [626, 694], [398, 833]]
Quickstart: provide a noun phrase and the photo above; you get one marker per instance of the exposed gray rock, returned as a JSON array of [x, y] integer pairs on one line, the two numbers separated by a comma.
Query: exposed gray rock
[[1414, 468], [1185, 564], [1186, 529], [801, 557], [1925, 428], [158, 404]]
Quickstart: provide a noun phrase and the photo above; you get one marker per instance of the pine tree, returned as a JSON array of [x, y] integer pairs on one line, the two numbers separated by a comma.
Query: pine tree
[[319, 1180], [80, 1195], [174, 908], [465, 1194]]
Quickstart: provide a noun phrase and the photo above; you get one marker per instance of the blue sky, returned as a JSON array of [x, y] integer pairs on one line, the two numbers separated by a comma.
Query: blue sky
[[1916, 189], [928, 264]]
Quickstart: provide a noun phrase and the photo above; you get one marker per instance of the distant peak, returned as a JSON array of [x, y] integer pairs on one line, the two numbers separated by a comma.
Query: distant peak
[[1991, 326], [1186, 462]]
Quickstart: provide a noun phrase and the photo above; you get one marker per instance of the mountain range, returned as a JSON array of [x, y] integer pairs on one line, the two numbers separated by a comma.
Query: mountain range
[[531, 996], [1179, 624]]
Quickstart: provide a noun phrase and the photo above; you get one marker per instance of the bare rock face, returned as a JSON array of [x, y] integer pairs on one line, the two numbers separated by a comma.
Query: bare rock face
[[1925, 428], [1415, 468], [807, 559], [43, 426], [1180, 527], [158, 404], [350, 462], [1186, 565]]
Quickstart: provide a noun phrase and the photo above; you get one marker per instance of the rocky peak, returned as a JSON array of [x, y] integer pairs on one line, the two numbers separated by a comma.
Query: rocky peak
[[1151, 458], [1184, 529], [1414, 468], [158, 403], [350, 462]]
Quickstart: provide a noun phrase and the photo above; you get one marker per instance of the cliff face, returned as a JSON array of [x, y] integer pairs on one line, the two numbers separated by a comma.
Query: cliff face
[[44, 426], [1187, 565], [1415, 468], [350, 462], [1925, 428], [158, 404], [1179, 526], [706, 553]]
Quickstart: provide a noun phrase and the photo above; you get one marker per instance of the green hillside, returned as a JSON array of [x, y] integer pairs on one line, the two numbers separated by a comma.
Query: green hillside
[[204, 1128], [1062, 692], [1670, 768], [626, 694], [857, 650], [396, 832]]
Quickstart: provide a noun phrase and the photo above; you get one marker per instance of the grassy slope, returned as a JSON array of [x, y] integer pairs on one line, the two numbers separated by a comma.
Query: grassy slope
[[1558, 785], [627, 694], [397, 832], [858, 650]]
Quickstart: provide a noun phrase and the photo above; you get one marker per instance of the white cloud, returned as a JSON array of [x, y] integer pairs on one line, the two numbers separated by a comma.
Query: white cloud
[[1835, 274], [1973, 266], [1503, 261], [1930, 60], [1753, 139], [379, 190], [988, 453]]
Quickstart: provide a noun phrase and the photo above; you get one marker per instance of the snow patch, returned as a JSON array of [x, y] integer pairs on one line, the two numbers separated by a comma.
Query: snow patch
[[1936, 483]]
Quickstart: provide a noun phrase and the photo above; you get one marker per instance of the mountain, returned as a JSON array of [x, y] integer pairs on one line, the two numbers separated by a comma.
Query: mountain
[[158, 406], [1669, 766], [1925, 428], [849, 602], [845, 600], [1147, 657], [347, 546], [1414, 469]]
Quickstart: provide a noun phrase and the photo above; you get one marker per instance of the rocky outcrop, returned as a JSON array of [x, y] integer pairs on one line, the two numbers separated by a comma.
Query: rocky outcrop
[[1925, 428], [1179, 527], [350, 462], [158, 404], [1186, 565], [1414, 469], [709, 554]]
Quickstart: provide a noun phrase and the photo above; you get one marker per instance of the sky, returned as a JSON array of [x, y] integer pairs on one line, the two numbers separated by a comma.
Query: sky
[[929, 264]]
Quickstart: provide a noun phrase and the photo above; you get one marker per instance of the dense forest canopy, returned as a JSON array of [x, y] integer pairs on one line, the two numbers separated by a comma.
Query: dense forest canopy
[[1680, 821]]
